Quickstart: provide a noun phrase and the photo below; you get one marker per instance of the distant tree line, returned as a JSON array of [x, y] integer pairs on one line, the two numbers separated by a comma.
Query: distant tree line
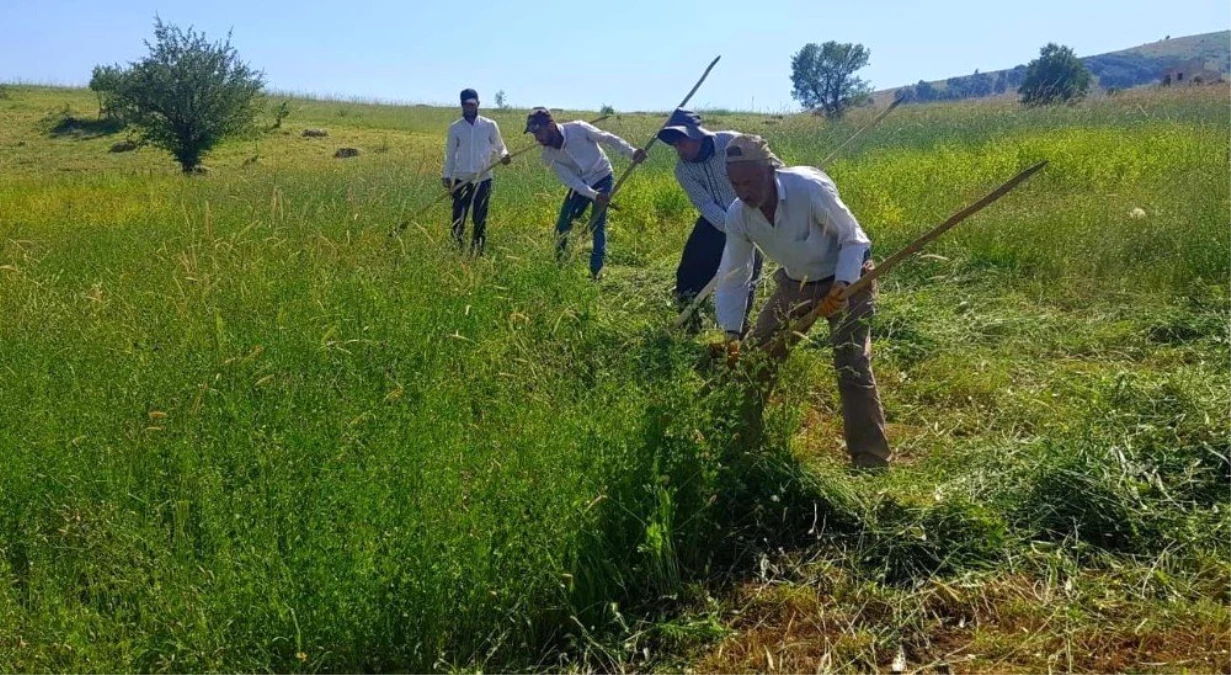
[[967, 86], [823, 79], [1111, 71], [1121, 71]]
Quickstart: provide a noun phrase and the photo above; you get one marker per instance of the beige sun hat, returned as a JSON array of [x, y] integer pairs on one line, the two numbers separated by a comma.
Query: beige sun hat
[[751, 148]]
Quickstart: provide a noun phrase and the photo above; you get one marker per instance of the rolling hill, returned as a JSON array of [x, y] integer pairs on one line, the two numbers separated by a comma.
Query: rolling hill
[[1140, 65]]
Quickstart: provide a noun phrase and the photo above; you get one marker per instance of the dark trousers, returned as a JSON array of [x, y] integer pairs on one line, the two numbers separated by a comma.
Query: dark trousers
[[476, 195], [574, 207], [699, 263]]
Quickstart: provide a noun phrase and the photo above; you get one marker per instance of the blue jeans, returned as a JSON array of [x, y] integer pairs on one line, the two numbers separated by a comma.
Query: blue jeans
[[574, 207]]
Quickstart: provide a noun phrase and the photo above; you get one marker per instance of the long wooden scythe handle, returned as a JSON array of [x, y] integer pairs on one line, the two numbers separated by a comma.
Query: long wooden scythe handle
[[804, 323], [597, 211]]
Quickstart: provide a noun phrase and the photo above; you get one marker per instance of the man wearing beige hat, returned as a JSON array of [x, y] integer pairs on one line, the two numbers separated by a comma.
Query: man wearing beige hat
[[795, 217]]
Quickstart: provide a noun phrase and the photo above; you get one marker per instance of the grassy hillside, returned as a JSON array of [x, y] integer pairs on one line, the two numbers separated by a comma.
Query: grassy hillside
[[1140, 65], [1214, 49], [247, 428]]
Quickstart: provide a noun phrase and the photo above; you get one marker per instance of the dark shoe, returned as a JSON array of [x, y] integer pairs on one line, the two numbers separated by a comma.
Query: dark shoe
[[869, 463]]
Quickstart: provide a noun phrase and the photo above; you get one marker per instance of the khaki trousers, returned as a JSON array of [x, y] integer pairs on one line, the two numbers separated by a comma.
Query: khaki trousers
[[863, 420]]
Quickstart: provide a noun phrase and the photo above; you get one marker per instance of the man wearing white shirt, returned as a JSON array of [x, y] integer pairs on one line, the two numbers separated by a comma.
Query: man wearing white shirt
[[794, 215], [472, 144], [572, 150]]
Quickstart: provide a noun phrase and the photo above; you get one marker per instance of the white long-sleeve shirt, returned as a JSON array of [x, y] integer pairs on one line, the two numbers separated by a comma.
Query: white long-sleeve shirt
[[813, 236], [470, 147], [579, 162]]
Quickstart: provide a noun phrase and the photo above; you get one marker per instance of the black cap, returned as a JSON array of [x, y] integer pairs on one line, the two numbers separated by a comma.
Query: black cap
[[537, 119], [470, 95], [683, 122]]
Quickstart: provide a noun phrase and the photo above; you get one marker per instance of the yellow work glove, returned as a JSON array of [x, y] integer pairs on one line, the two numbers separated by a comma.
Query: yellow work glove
[[834, 301]]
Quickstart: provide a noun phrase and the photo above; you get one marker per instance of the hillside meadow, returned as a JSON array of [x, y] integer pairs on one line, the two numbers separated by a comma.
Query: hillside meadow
[[266, 419]]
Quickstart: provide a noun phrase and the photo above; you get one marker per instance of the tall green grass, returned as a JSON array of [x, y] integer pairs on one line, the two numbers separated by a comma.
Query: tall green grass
[[245, 427]]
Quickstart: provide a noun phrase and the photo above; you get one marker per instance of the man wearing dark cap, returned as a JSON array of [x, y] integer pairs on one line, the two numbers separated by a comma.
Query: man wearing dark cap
[[572, 150], [472, 145], [702, 172]]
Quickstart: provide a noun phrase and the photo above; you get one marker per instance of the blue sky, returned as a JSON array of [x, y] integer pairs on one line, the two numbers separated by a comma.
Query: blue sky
[[631, 54]]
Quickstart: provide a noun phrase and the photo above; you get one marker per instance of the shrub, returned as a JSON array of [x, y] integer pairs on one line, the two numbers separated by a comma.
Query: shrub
[[187, 95], [1057, 76]]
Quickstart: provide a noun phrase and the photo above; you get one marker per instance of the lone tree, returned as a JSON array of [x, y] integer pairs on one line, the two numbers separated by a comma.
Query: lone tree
[[824, 77], [1057, 76], [187, 95]]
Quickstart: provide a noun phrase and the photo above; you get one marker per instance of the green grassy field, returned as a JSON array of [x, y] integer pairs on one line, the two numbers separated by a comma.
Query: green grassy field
[[246, 429]]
